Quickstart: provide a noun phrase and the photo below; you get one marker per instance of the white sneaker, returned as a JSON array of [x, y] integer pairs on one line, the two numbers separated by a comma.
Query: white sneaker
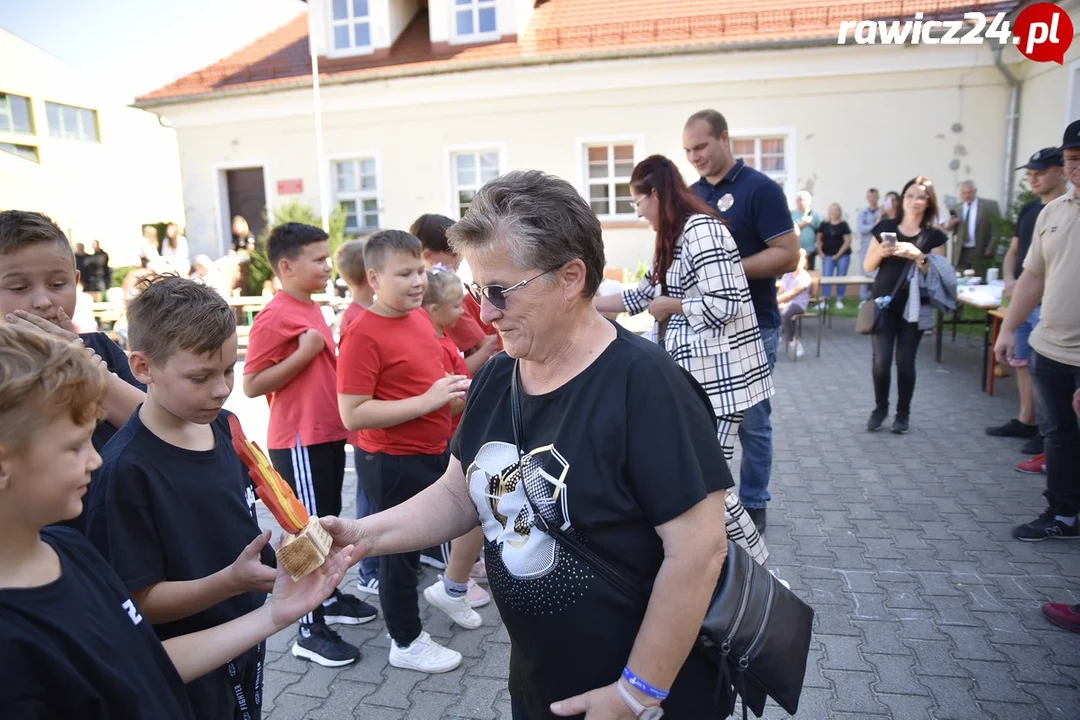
[[477, 596], [799, 352], [783, 582], [839, 304], [456, 607], [424, 655]]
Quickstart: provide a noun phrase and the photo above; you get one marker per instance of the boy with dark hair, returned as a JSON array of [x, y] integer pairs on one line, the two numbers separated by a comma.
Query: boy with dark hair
[[172, 508], [291, 360], [39, 288], [101, 659], [394, 391], [476, 339]]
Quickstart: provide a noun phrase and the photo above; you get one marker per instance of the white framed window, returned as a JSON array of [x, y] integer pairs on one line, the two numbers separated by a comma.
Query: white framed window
[[469, 170], [606, 169], [72, 123], [475, 19], [356, 190], [15, 114], [350, 25], [769, 153], [26, 152]]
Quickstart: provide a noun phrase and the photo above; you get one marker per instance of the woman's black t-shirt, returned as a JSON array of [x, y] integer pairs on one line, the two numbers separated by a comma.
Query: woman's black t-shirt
[[832, 237], [892, 268], [622, 448]]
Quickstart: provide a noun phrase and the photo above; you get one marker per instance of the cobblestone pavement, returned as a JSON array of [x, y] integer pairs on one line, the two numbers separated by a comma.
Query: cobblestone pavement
[[926, 608]]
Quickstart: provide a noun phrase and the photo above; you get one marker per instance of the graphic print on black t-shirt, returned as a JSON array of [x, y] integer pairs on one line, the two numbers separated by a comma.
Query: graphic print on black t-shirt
[[497, 487]]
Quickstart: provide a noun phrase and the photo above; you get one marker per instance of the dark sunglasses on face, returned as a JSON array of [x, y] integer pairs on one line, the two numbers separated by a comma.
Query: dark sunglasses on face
[[496, 294]]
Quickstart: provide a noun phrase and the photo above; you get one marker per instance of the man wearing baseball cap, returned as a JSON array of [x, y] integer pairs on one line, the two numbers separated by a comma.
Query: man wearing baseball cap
[[1046, 177], [1052, 276]]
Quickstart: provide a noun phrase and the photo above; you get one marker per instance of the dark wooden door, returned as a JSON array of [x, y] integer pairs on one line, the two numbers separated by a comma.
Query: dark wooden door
[[247, 197]]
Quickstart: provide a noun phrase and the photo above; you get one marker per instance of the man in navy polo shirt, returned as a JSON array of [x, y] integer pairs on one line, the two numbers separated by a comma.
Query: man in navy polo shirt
[[756, 212]]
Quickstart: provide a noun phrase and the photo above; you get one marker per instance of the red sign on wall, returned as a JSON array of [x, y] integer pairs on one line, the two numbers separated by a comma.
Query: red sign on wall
[[290, 187]]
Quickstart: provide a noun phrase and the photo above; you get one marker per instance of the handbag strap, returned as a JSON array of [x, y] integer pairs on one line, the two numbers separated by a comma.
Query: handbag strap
[[907, 266], [572, 544]]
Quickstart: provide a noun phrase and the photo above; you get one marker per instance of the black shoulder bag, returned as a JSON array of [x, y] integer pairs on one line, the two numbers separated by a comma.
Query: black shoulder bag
[[755, 630], [869, 319]]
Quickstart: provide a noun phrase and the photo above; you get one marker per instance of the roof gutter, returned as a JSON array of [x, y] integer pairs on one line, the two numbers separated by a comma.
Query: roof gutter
[[1012, 124], [304, 82]]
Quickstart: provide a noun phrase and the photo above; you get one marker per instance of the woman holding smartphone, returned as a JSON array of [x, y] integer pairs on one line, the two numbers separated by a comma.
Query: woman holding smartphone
[[898, 250]]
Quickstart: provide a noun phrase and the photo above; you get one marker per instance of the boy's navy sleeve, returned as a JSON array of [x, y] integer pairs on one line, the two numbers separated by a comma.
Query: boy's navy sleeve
[[114, 357], [135, 548]]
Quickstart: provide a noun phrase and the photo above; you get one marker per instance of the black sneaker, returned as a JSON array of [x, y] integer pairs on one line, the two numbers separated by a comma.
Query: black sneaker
[[900, 425], [319, 644], [877, 418], [1045, 527], [1034, 446], [433, 557], [758, 516], [344, 609], [1014, 428]]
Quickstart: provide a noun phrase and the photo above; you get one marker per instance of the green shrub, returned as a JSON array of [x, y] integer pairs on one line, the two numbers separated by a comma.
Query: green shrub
[[118, 275], [259, 270]]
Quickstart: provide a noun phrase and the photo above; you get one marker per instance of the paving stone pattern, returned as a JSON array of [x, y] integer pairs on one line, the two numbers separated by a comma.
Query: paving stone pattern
[[926, 607]]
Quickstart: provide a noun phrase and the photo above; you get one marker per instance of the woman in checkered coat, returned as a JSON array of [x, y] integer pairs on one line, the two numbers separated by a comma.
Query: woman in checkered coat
[[697, 292]]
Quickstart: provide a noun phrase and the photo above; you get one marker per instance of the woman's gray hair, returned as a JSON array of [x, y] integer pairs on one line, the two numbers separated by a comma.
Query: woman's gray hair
[[542, 220]]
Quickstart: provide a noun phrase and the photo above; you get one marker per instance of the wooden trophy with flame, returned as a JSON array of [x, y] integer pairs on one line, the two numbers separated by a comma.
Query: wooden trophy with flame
[[306, 543]]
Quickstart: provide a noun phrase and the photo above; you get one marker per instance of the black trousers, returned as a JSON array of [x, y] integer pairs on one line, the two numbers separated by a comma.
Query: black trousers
[[390, 480], [316, 474], [901, 337], [1054, 384]]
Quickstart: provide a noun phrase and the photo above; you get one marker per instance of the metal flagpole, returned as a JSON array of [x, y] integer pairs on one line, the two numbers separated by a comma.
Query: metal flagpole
[[320, 175]]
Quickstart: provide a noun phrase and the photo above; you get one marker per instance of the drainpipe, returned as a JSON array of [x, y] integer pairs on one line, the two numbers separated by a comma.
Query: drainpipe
[[1013, 122]]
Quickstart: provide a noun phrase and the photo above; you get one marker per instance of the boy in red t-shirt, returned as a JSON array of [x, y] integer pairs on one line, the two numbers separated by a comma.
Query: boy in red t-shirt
[[291, 360], [455, 593], [477, 340], [394, 391], [349, 261]]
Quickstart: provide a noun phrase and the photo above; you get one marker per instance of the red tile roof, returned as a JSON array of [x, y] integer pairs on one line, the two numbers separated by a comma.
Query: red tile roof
[[557, 30]]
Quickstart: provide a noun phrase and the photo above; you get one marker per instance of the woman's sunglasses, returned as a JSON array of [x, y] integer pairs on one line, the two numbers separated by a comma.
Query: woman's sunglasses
[[496, 294]]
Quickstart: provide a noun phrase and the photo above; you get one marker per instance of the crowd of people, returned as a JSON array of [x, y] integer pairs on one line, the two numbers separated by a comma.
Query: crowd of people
[[481, 414]]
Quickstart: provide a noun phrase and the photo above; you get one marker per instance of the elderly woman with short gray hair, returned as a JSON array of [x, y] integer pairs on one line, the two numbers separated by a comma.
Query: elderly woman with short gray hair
[[612, 442]]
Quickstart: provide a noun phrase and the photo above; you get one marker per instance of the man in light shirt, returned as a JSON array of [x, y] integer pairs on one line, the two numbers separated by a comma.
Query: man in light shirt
[[1052, 276]]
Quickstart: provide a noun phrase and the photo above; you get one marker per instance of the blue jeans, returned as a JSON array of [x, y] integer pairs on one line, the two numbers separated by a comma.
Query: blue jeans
[[1054, 384], [830, 267], [755, 436], [369, 567], [864, 290]]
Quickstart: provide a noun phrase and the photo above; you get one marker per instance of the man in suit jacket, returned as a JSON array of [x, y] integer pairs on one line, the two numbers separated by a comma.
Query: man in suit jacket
[[974, 228]]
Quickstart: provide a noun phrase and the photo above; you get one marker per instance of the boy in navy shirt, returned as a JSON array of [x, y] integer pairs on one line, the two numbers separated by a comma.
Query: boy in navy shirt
[[73, 643], [172, 508], [38, 287]]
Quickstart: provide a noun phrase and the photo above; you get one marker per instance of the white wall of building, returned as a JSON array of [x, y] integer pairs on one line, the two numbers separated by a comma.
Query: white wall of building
[[1049, 100], [94, 190], [850, 117]]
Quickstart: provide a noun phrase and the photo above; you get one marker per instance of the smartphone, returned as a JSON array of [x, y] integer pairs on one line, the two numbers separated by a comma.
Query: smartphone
[[888, 238]]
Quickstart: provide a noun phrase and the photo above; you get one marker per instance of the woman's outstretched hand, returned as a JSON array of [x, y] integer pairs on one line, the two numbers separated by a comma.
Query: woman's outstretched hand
[[346, 533]]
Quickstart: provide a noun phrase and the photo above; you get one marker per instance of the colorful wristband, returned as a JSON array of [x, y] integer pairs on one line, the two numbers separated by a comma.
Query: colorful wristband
[[642, 686]]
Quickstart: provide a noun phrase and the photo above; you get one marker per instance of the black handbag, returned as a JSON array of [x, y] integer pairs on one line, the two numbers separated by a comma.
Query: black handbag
[[869, 319], [755, 630]]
